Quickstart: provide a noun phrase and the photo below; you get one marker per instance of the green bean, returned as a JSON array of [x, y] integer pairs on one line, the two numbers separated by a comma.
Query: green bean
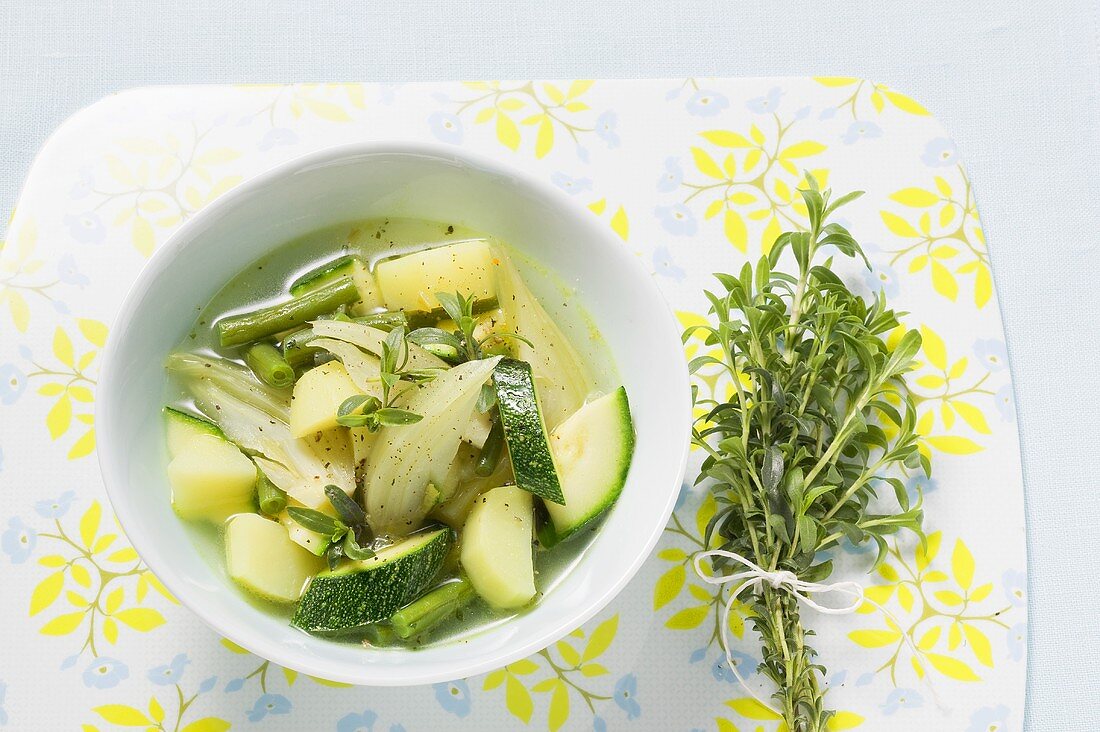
[[386, 320], [270, 497], [379, 635], [270, 320], [431, 609], [267, 362], [298, 352], [296, 348], [490, 452]]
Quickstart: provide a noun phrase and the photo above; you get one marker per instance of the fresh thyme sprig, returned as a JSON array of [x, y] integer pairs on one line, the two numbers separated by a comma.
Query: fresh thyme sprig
[[819, 421], [461, 344], [373, 413], [349, 535]]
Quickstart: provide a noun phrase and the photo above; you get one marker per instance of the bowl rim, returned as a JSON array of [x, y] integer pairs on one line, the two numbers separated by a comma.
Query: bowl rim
[[114, 479]]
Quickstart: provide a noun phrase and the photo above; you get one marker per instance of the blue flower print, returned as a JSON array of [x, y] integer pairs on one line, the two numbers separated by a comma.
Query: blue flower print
[[83, 185], [860, 130], [1006, 402], [992, 353], [105, 673], [388, 92], [918, 485], [1017, 641], [55, 507], [446, 127], [571, 185], [745, 664], [902, 699], [940, 153], [208, 684], [599, 724], [234, 685], [12, 384], [802, 113], [606, 125], [827, 113], [269, 704], [68, 273], [357, 722], [989, 719], [582, 153], [454, 697], [767, 103], [170, 673], [276, 137], [849, 548], [18, 541], [882, 277], [1015, 587], [681, 498], [672, 177], [626, 689], [865, 678], [707, 103], [677, 219], [698, 654], [87, 228], [664, 266]]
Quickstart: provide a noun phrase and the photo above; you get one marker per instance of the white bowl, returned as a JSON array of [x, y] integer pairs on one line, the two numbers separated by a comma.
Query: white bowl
[[397, 179]]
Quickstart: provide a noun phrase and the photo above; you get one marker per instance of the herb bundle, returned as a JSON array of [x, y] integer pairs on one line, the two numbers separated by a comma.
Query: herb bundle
[[819, 423]]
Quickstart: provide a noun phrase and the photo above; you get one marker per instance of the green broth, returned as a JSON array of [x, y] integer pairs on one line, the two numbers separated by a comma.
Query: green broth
[[267, 280]]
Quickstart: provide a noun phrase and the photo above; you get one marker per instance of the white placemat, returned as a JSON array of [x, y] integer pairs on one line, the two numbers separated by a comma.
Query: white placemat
[[694, 176]]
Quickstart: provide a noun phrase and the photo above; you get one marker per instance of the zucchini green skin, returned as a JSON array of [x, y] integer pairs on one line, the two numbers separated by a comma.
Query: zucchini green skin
[[525, 431], [189, 421], [179, 426], [371, 591], [322, 275]]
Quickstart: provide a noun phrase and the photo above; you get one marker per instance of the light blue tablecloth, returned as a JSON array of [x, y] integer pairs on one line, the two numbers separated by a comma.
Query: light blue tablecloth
[[1016, 83]]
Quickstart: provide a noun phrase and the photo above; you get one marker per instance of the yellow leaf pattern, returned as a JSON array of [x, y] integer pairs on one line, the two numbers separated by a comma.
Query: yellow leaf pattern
[[941, 602], [541, 107], [859, 93], [754, 181], [953, 247], [563, 669], [740, 180]]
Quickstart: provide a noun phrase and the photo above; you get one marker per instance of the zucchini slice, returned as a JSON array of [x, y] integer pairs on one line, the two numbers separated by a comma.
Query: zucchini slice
[[180, 427], [345, 266], [562, 381], [496, 547], [593, 449], [371, 590], [211, 479], [525, 430]]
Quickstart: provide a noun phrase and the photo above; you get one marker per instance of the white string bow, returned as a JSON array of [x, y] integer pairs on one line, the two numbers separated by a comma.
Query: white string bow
[[754, 576]]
